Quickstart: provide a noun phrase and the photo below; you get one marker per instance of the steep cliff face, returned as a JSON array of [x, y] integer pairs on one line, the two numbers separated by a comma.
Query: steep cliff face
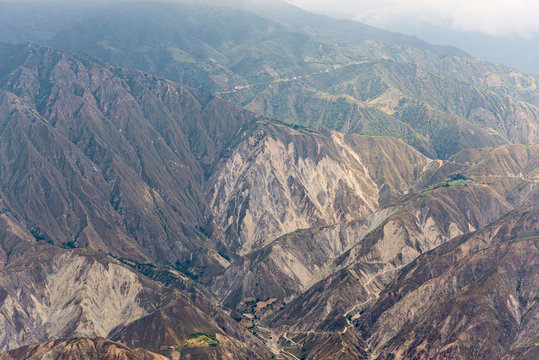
[[82, 349], [63, 196], [309, 179], [293, 263], [48, 292], [451, 204]]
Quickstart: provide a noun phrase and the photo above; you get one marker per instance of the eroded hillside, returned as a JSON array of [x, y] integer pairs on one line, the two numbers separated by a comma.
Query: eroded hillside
[[175, 222]]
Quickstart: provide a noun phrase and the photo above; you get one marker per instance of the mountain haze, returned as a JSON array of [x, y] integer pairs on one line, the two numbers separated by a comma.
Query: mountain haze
[[297, 67]]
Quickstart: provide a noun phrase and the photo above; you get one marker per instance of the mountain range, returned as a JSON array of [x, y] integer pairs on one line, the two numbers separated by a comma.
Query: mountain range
[[238, 180]]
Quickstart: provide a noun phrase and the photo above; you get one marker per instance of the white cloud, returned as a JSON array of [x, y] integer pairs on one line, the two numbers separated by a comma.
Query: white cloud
[[492, 17]]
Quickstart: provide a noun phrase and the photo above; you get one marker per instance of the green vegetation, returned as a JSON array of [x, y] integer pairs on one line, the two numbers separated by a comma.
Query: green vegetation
[[178, 266], [200, 339], [455, 179], [458, 176]]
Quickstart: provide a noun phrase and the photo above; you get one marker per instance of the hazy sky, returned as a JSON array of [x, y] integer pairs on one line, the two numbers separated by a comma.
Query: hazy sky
[[492, 17]]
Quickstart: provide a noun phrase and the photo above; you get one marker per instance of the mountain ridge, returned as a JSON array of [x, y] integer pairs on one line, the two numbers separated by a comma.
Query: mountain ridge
[[249, 67]]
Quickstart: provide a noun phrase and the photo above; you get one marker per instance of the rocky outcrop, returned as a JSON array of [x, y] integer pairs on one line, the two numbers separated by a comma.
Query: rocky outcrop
[[309, 179], [48, 292]]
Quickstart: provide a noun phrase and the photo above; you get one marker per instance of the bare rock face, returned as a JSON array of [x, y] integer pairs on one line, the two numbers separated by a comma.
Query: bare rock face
[[280, 180], [49, 293], [403, 230], [80, 349], [293, 263]]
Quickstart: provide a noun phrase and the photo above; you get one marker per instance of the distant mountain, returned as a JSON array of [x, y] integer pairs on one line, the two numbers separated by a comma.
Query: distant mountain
[[512, 50], [436, 114], [312, 70]]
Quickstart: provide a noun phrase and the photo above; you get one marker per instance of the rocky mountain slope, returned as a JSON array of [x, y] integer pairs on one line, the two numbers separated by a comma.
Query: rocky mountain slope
[[48, 292], [483, 283], [464, 193], [475, 193], [110, 153], [311, 179], [92, 184], [117, 157], [450, 312], [137, 210]]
